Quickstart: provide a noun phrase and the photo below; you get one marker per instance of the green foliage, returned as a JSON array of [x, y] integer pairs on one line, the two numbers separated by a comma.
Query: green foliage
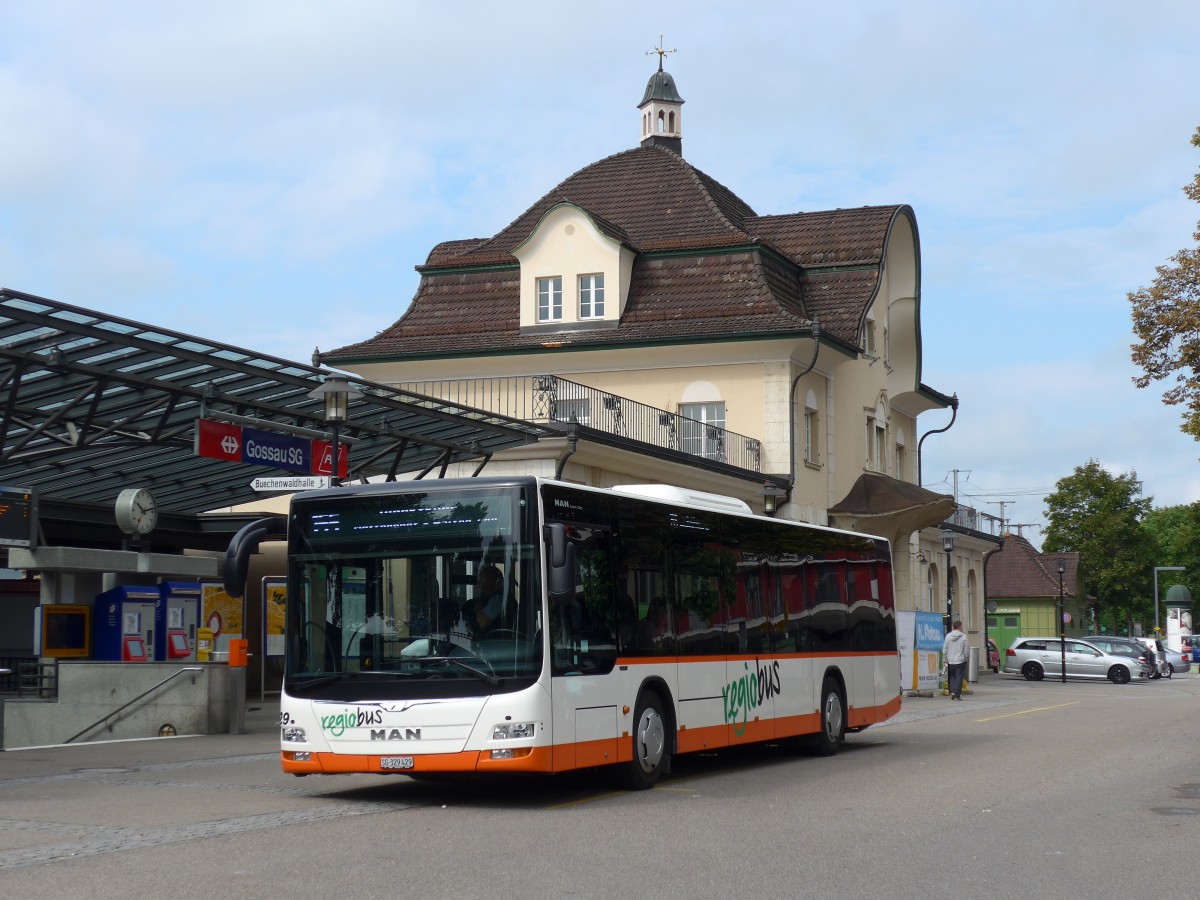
[[1175, 531], [1101, 516], [1166, 320]]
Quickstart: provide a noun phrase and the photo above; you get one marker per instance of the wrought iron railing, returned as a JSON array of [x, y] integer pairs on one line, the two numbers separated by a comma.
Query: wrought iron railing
[[549, 399], [976, 520]]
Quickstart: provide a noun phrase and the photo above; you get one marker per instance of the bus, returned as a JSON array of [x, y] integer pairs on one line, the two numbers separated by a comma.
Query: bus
[[493, 625]]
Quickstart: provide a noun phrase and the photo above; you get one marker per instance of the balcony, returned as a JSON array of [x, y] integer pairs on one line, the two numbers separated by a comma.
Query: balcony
[[557, 403], [971, 519]]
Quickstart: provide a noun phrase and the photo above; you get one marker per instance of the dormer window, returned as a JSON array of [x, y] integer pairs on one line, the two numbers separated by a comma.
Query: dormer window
[[593, 270], [591, 296], [549, 294]]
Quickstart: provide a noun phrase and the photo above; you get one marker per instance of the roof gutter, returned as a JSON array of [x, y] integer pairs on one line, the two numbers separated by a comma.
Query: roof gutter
[[815, 331], [954, 407]]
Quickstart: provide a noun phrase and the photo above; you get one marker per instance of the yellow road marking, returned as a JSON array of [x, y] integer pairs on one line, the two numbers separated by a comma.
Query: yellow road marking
[[1025, 711]]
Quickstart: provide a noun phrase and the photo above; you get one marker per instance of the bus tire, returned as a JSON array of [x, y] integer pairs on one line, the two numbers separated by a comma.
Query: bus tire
[[650, 752], [833, 719]]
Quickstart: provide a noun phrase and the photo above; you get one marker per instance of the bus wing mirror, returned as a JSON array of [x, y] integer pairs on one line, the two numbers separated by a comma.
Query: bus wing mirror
[[561, 564]]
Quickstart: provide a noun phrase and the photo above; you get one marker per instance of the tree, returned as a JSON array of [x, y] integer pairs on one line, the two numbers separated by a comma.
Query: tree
[[1100, 516], [1166, 320], [1175, 531]]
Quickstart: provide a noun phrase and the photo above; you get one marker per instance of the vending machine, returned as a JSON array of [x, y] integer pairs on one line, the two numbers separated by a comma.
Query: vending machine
[[179, 618], [124, 624]]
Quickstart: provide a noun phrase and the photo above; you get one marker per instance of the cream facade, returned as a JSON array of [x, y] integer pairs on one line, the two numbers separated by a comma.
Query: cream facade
[[821, 403]]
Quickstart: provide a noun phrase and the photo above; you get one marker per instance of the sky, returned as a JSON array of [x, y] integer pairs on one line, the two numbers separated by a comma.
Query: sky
[[268, 174]]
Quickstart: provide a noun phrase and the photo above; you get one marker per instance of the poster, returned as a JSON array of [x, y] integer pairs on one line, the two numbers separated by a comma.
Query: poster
[[927, 664], [222, 613], [274, 591]]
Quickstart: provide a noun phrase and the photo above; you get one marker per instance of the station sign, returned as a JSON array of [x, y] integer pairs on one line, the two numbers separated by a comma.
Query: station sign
[[253, 446], [290, 483]]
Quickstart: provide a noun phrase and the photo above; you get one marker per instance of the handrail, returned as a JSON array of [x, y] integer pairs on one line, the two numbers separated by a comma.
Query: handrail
[[125, 706], [552, 400]]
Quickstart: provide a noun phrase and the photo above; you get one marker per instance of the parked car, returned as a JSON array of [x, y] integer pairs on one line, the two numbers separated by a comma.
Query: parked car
[[1180, 660], [993, 656], [1037, 657], [1155, 651], [1124, 646]]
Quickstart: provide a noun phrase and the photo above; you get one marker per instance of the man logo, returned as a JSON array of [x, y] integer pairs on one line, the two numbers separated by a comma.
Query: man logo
[[382, 734]]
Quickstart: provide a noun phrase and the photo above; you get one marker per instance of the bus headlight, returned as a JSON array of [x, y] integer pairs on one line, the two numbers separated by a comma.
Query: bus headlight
[[294, 735], [512, 731]]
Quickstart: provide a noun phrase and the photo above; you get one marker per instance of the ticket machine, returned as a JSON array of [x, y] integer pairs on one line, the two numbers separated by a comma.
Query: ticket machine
[[124, 624], [179, 618]]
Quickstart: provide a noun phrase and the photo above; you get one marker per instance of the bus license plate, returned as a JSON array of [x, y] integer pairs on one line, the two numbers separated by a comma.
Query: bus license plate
[[396, 762]]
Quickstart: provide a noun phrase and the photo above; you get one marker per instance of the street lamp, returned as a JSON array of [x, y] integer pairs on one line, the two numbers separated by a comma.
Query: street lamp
[[770, 497], [336, 393], [1158, 569], [1062, 619], [948, 546]]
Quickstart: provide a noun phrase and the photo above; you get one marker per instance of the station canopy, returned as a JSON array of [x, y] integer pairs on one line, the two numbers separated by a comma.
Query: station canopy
[[92, 404]]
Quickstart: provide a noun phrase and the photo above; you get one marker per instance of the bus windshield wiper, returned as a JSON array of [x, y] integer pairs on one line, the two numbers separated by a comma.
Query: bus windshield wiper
[[298, 687], [454, 660]]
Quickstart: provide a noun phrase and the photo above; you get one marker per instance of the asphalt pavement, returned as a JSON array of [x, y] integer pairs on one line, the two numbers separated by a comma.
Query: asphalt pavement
[[941, 793], [261, 736]]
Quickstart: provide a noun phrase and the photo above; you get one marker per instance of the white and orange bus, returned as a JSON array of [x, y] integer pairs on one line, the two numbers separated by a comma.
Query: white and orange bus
[[616, 628]]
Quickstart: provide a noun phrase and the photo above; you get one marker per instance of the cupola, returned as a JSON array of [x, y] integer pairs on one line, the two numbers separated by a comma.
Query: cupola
[[662, 110]]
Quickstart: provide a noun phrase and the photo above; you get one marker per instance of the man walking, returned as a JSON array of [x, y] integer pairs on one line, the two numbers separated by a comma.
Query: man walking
[[956, 650]]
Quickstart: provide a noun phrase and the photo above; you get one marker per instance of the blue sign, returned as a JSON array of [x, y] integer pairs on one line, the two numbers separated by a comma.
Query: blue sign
[[262, 448], [929, 634]]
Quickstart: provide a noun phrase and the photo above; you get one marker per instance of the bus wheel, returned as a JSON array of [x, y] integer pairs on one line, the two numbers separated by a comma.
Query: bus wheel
[[650, 753], [833, 719]]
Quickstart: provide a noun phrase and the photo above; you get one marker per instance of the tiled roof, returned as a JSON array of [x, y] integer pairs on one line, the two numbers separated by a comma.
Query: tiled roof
[[1017, 570], [651, 194], [840, 237], [476, 311], [706, 266]]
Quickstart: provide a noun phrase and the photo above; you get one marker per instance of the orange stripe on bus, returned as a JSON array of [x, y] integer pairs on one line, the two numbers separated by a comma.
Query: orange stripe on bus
[[584, 754], [747, 657]]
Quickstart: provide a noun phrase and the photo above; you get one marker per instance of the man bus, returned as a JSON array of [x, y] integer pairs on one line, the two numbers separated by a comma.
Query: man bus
[[634, 624]]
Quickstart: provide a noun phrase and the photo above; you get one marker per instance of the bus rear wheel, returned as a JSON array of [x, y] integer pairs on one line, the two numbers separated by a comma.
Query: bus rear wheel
[[650, 753], [833, 719]]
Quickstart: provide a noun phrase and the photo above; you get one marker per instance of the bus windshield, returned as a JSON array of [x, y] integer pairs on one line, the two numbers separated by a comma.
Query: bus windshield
[[398, 588]]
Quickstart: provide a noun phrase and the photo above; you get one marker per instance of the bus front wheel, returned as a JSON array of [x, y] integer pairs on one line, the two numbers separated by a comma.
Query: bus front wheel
[[650, 754]]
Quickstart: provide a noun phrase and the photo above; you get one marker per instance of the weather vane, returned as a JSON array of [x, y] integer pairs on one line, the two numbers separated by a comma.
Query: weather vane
[[661, 52]]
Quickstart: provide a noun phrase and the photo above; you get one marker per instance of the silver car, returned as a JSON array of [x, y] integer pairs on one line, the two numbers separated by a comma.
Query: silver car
[[1179, 660], [1038, 657], [1125, 646]]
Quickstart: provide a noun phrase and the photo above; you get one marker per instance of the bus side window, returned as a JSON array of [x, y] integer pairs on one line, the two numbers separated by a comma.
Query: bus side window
[[583, 626], [642, 561]]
